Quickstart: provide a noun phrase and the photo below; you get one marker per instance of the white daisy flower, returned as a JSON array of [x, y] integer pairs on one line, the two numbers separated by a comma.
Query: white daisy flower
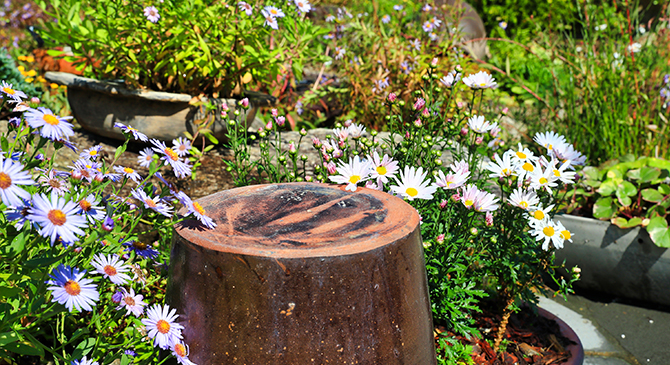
[[451, 181], [537, 214], [145, 157], [542, 179], [523, 199], [501, 167], [352, 173], [480, 80], [567, 152], [479, 124], [548, 232], [161, 326], [413, 184], [469, 195], [451, 78], [549, 140], [382, 169], [485, 202], [132, 303]]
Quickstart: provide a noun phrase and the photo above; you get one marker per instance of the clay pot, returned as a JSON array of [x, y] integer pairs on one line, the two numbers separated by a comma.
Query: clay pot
[[97, 105]]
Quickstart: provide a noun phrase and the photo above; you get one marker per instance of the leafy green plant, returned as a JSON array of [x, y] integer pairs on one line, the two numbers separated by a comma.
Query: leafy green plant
[[630, 192], [600, 83], [196, 47]]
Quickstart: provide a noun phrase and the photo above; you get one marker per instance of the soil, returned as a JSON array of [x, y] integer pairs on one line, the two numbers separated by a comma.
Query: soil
[[531, 340]]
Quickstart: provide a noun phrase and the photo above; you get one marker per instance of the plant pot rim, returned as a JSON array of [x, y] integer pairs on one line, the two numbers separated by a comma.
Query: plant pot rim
[[576, 350], [118, 88]]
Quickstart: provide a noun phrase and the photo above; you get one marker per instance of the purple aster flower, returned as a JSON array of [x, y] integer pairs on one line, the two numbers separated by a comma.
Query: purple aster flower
[[108, 224], [196, 209], [161, 326], [14, 122], [181, 146], [15, 95], [71, 289], [181, 168], [180, 351], [84, 361], [118, 296], [91, 153], [142, 249], [152, 14], [269, 20], [11, 174], [90, 208], [19, 214], [246, 8], [132, 303], [146, 157], [53, 183], [152, 203], [52, 127], [128, 173], [128, 129], [111, 267], [57, 217]]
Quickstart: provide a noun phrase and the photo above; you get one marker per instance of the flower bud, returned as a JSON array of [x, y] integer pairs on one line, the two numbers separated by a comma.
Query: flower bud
[[236, 113], [419, 103], [332, 169], [281, 120], [244, 102], [268, 126], [464, 131], [443, 204], [117, 297], [417, 123], [433, 62], [474, 231], [108, 224], [348, 123], [392, 97], [479, 140], [440, 238], [489, 219], [274, 112], [303, 132]]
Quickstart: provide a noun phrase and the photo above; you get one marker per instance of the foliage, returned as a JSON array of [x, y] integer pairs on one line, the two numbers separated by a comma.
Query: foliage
[[601, 83], [11, 74], [472, 243], [196, 47], [374, 47], [630, 192], [53, 222]]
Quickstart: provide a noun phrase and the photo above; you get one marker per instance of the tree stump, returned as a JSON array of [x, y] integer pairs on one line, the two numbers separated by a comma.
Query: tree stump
[[303, 273]]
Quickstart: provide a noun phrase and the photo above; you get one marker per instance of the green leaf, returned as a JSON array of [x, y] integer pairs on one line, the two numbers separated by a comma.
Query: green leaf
[[660, 163], [619, 222], [591, 173], [648, 174], [8, 337], [626, 189], [625, 201], [603, 208], [18, 243], [664, 189], [625, 224], [120, 150], [24, 349], [652, 195], [633, 174], [9, 292], [43, 261], [608, 187], [634, 222], [84, 348], [658, 231]]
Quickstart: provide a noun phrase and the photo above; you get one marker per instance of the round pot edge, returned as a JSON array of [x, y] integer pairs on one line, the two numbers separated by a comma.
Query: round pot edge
[[577, 349]]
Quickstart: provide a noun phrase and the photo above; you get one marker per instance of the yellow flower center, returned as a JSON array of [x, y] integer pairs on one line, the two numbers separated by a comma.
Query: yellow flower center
[[354, 179], [109, 270], [381, 170], [539, 215], [524, 204], [9, 90], [550, 147], [543, 180], [162, 326], [180, 350], [5, 180], [50, 119], [128, 170], [557, 173], [85, 205], [172, 154], [566, 234], [72, 287], [93, 153], [198, 208], [528, 167], [521, 155], [150, 203], [412, 192], [506, 172], [140, 245], [468, 202], [57, 217], [130, 301], [548, 231], [482, 84]]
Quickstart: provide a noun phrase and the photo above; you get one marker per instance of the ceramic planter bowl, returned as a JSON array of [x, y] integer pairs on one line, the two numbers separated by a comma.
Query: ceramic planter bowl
[[622, 262], [97, 105]]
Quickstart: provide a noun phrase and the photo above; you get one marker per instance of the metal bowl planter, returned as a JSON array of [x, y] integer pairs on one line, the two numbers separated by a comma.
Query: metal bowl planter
[[622, 262], [97, 105]]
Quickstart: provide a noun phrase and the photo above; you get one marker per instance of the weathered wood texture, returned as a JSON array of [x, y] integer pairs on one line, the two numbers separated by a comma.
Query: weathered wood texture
[[303, 274]]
